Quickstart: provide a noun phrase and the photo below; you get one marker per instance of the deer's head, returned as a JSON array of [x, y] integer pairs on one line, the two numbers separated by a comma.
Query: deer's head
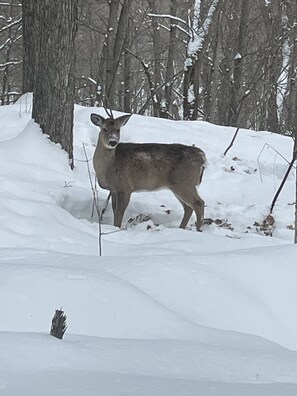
[[109, 128]]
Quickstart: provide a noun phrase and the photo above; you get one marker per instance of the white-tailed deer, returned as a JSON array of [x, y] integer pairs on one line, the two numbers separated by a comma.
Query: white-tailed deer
[[124, 168]]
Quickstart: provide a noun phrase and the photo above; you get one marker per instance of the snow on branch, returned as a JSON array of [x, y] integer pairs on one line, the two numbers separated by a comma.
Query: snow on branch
[[9, 63], [168, 16], [10, 5], [200, 30], [6, 43], [182, 30], [9, 42], [15, 22]]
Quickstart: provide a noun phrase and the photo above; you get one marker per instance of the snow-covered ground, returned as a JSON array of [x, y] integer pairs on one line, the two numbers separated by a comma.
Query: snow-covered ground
[[164, 311]]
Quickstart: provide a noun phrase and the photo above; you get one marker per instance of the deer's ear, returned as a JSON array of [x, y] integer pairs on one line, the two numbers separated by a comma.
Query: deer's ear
[[123, 120], [97, 119]]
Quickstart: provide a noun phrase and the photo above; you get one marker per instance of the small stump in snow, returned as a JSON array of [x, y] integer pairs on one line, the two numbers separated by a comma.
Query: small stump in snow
[[59, 325]]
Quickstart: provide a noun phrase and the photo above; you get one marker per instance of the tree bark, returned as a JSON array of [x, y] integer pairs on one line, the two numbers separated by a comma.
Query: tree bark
[[272, 14], [110, 45], [170, 59], [157, 51], [240, 51], [28, 25], [127, 64], [202, 37], [289, 112], [53, 94], [214, 84], [295, 154]]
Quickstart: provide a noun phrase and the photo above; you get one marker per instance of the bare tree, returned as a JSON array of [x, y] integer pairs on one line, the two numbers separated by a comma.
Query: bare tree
[[157, 59], [272, 13], [169, 97], [202, 22], [289, 110], [239, 59], [237, 84]]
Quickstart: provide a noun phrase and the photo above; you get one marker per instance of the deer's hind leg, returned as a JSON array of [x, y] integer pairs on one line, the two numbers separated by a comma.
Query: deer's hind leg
[[187, 213], [190, 197]]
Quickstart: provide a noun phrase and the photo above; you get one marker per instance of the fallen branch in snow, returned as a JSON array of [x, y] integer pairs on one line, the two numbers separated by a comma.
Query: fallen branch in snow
[[140, 218], [267, 226], [220, 223]]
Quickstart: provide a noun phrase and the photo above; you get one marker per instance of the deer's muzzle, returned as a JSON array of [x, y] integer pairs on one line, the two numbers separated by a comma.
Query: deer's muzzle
[[113, 143]]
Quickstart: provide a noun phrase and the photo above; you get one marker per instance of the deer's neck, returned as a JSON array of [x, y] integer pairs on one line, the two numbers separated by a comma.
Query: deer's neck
[[103, 162]]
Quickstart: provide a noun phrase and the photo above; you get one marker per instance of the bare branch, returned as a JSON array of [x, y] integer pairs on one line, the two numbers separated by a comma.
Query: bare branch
[[10, 25], [168, 16], [11, 5]]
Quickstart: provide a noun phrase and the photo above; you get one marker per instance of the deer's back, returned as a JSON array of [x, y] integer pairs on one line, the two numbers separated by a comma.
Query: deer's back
[[151, 166]]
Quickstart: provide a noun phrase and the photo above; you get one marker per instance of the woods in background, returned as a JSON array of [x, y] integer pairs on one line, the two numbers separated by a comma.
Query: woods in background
[[230, 62]]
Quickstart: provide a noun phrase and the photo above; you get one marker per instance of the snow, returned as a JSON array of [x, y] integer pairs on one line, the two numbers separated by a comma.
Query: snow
[[163, 311]]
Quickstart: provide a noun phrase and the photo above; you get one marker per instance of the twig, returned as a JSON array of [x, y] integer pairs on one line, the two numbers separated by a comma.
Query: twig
[[96, 205], [108, 112], [232, 141], [283, 182], [258, 159]]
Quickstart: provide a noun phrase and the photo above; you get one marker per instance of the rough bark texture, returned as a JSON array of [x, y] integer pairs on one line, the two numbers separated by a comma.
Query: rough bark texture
[[29, 36], [170, 59], [212, 115], [157, 50], [110, 53], [289, 112], [272, 19], [53, 100], [240, 52], [295, 154], [127, 63]]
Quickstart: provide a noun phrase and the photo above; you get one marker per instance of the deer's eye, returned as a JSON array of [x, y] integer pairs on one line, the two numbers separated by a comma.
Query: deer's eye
[[118, 130], [105, 130]]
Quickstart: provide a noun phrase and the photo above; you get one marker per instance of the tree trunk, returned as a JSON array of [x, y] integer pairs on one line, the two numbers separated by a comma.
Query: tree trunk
[[272, 14], [127, 64], [28, 25], [295, 154], [53, 95], [110, 61], [157, 51], [289, 111], [170, 59], [203, 26], [212, 115], [240, 51]]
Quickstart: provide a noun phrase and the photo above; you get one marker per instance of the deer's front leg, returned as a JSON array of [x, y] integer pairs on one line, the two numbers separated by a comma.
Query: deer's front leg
[[120, 201]]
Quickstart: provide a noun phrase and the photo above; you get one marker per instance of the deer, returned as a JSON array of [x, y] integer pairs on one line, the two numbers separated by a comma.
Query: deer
[[125, 168]]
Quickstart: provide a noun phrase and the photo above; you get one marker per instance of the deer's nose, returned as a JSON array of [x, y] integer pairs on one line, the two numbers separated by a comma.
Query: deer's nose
[[113, 143]]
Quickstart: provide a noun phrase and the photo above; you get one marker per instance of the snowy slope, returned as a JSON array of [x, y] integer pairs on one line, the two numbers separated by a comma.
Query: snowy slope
[[164, 311]]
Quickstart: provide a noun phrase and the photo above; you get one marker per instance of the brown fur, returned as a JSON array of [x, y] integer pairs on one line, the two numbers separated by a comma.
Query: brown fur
[[124, 168]]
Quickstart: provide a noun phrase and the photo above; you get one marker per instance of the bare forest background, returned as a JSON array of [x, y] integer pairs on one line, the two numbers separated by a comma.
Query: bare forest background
[[230, 62]]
